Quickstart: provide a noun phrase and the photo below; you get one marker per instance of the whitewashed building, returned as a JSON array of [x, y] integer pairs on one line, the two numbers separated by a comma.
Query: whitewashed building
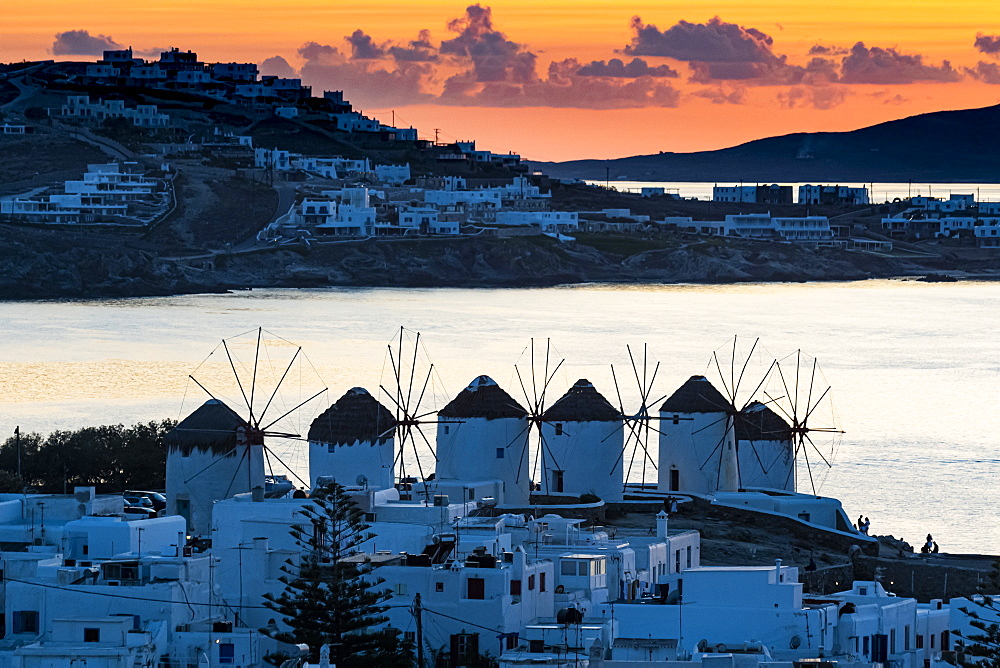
[[484, 436], [583, 438], [352, 442]]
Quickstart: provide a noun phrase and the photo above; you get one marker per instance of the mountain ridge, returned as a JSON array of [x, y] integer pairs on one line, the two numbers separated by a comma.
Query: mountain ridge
[[941, 146]]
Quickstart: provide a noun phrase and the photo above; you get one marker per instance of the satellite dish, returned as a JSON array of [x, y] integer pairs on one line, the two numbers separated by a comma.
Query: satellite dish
[[362, 480], [795, 642]]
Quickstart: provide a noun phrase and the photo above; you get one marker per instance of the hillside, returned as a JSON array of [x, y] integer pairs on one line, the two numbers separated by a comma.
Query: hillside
[[946, 146]]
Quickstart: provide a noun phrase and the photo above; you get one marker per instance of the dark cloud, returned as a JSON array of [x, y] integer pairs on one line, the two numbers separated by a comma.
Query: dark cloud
[[277, 66], [817, 97], [365, 83], [989, 44], [420, 50], [363, 47], [722, 96], [985, 72], [82, 43], [315, 51], [820, 50], [562, 87], [632, 70], [713, 42], [778, 72], [493, 56], [887, 66]]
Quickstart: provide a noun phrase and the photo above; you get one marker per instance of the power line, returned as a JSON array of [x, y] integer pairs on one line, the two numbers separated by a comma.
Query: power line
[[130, 598]]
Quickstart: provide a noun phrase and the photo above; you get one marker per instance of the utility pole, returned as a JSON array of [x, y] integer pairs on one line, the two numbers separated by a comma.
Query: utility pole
[[436, 131], [417, 615], [17, 443]]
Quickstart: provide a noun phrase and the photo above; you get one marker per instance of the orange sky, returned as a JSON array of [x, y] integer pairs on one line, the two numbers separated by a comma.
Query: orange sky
[[560, 116]]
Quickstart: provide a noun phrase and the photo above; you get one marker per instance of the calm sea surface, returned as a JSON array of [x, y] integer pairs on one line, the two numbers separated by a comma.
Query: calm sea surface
[[915, 368]]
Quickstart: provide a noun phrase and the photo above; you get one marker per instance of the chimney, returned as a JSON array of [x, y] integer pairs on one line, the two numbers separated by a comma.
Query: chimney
[[661, 525], [777, 571], [257, 494]]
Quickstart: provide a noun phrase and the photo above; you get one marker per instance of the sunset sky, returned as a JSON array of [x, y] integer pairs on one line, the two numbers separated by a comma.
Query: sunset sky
[[562, 79]]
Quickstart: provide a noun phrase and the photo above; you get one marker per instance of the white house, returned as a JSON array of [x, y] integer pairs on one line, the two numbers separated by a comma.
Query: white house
[[548, 221]]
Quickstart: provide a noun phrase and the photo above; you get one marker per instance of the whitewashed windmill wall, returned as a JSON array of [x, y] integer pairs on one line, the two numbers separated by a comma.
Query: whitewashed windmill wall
[[583, 439], [211, 455], [697, 441], [352, 442], [766, 449], [484, 436]]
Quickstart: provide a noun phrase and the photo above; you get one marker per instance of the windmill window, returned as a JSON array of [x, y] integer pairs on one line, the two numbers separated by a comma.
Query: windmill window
[[447, 428], [500, 453], [559, 429], [92, 635], [438, 586]]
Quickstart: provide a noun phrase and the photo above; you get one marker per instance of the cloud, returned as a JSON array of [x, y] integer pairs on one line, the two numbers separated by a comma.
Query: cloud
[[278, 67], [493, 56], [420, 50], [887, 66], [817, 97], [713, 42], [985, 72], [632, 70], [363, 47], [721, 96], [989, 44], [364, 81], [820, 50], [82, 43]]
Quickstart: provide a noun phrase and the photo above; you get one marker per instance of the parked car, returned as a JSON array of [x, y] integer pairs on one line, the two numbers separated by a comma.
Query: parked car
[[138, 512], [137, 500], [158, 499]]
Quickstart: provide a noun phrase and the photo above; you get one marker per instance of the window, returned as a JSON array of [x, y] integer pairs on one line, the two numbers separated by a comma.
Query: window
[[541, 582], [500, 452], [476, 588], [568, 567], [866, 646], [531, 583], [583, 567], [515, 587], [447, 428], [438, 586], [227, 653], [688, 556], [906, 637], [25, 621], [92, 635], [410, 636], [892, 640], [677, 561], [559, 429], [920, 641]]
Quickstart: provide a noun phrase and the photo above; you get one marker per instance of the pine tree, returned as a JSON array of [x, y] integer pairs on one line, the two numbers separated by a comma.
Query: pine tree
[[982, 647], [330, 599]]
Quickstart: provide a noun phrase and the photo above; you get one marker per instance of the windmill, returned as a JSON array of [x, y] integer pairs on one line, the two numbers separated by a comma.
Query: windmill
[[800, 392], [534, 377], [640, 432], [705, 455], [412, 389], [260, 388]]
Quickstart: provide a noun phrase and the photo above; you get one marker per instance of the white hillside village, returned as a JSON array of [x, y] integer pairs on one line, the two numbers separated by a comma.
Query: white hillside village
[[485, 531]]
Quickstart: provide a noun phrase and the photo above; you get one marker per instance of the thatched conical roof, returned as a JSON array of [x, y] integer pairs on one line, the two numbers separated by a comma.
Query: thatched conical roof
[[582, 403], [356, 416], [757, 422], [696, 395], [483, 398], [211, 427]]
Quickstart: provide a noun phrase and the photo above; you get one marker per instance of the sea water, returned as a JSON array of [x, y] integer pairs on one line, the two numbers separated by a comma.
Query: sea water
[[914, 368]]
